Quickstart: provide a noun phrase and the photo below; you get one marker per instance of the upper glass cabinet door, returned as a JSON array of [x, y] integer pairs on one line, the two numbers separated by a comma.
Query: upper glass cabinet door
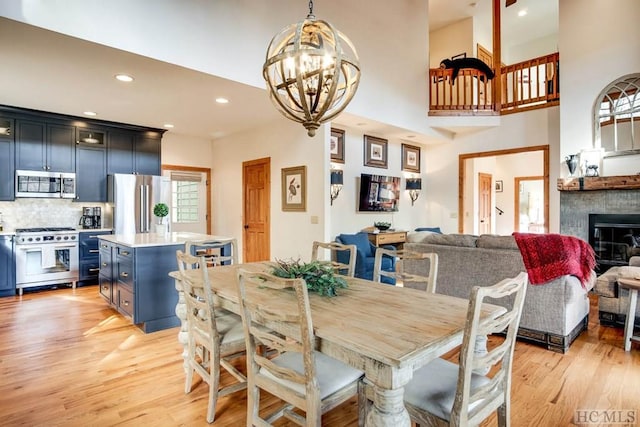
[[617, 117]]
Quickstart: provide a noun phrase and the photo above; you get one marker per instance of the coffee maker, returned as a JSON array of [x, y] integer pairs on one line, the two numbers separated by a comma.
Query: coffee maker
[[91, 217]]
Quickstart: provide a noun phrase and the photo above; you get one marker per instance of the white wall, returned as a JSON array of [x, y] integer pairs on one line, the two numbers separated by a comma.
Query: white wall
[[509, 167], [537, 127], [344, 215], [533, 49], [183, 150], [598, 44], [451, 40], [288, 145]]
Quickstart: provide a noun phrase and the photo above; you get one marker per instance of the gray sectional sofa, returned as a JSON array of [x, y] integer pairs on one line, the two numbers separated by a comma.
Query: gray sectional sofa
[[554, 313]]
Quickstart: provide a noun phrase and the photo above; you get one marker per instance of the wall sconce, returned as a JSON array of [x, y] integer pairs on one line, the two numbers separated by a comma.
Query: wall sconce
[[336, 184], [414, 185]]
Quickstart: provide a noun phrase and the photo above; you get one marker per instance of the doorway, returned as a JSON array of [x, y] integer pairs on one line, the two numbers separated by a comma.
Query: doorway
[[256, 196], [190, 198], [468, 193], [485, 203], [529, 204]]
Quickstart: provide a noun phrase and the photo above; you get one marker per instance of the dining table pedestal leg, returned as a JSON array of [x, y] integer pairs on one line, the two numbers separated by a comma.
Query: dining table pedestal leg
[[388, 409], [183, 335]]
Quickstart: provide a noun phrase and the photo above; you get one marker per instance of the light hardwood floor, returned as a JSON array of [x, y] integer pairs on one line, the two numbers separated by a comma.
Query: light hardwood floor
[[66, 359]]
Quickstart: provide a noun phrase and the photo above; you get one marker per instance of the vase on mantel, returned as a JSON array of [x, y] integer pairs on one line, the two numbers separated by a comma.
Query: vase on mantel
[[572, 163]]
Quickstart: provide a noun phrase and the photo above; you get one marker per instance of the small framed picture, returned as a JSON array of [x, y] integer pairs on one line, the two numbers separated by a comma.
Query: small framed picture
[[375, 152], [294, 189], [337, 145], [410, 158], [498, 186]]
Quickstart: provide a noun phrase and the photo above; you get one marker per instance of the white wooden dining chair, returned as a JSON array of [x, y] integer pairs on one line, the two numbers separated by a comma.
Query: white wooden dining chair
[[401, 275], [442, 393], [299, 375], [333, 248], [222, 251], [215, 337]]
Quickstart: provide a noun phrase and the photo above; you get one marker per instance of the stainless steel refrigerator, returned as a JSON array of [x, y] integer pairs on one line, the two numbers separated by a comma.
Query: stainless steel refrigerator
[[133, 198]]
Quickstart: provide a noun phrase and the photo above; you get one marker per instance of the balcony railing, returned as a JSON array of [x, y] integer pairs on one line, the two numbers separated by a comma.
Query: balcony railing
[[526, 85]]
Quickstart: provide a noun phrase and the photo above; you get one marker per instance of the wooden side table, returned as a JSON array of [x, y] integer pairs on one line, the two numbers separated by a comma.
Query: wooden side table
[[633, 285], [388, 238]]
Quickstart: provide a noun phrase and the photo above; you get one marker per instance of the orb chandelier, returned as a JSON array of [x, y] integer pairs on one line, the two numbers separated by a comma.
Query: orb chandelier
[[312, 72]]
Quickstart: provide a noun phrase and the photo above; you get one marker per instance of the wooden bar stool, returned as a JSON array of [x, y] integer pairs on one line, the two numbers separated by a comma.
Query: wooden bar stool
[[633, 285]]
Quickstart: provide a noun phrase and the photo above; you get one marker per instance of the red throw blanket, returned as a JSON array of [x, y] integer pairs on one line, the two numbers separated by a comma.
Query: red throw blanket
[[547, 256]]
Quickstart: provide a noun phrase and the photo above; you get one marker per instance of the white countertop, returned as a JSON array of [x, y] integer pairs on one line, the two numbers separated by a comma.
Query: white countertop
[[153, 239], [93, 230], [7, 232]]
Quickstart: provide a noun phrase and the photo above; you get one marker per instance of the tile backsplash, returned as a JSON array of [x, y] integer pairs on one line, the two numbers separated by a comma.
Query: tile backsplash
[[25, 213]]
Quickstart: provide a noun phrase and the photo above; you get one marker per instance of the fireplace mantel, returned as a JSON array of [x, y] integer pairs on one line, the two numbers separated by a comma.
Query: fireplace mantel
[[585, 183]]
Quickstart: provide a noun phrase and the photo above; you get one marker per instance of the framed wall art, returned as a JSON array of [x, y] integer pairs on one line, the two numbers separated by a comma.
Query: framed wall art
[[498, 186], [337, 145], [375, 152], [410, 158], [294, 189]]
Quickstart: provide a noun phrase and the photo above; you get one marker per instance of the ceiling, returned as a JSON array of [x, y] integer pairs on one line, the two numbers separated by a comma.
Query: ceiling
[[49, 71]]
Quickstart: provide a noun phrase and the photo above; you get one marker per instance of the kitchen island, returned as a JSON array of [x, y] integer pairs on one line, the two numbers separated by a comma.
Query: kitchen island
[[134, 276]]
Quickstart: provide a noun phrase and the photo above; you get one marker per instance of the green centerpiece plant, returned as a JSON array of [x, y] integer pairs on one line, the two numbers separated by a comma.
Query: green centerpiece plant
[[161, 210], [319, 275]]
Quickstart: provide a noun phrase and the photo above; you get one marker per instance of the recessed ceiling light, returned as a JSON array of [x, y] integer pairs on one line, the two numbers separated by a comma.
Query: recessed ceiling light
[[522, 12], [90, 113], [124, 78], [222, 100], [168, 125]]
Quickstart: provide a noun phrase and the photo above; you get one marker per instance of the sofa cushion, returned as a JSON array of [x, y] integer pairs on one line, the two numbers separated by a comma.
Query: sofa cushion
[[361, 240], [466, 240], [418, 236], [431, 229], [494, 241]]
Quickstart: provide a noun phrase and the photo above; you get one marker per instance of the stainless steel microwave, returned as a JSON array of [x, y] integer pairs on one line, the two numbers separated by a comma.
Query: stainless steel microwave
[[55, 185]]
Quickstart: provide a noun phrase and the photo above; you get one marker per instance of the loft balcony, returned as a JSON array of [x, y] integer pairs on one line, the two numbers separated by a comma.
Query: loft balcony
[[523, 86]]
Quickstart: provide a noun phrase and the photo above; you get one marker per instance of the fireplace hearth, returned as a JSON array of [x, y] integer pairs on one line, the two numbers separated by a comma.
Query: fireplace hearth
[[615, 238]]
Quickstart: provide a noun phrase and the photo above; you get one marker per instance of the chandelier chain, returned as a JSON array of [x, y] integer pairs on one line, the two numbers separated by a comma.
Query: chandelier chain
[[310, 9]]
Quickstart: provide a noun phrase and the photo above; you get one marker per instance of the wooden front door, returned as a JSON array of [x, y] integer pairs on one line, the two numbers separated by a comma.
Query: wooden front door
[[484, 203], [256, 193]]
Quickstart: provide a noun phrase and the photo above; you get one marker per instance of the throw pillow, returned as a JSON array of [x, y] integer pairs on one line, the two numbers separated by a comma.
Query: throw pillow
[[432, 229], [361, 240]]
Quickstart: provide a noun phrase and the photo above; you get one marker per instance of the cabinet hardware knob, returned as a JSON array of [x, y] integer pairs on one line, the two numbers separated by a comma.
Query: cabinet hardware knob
[[124, 274]]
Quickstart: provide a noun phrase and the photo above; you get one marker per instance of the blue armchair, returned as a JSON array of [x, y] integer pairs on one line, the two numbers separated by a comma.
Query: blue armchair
[[365, 256]]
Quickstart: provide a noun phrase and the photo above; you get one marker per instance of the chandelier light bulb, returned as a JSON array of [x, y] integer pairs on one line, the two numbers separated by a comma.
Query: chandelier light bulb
[[312, 72]]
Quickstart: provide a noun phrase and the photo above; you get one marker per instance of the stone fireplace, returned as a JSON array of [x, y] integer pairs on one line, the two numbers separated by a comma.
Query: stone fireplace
[[576, 206]]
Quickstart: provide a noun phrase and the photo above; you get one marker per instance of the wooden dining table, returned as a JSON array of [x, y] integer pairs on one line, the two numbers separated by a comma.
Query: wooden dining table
[[385, 331]]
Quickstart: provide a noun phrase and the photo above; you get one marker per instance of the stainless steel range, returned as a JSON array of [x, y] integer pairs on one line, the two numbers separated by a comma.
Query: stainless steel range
[[46, 256]]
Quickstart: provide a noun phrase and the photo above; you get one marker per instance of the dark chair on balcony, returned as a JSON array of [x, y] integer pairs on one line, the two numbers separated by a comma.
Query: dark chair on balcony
[[365, 256]]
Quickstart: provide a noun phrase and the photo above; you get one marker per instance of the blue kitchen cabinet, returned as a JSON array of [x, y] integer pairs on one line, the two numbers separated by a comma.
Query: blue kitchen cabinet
[[89, 253], [7, 160], [7, 267], [136, 282]]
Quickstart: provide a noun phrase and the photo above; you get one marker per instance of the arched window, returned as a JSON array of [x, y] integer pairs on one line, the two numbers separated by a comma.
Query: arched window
[[617, 117]]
